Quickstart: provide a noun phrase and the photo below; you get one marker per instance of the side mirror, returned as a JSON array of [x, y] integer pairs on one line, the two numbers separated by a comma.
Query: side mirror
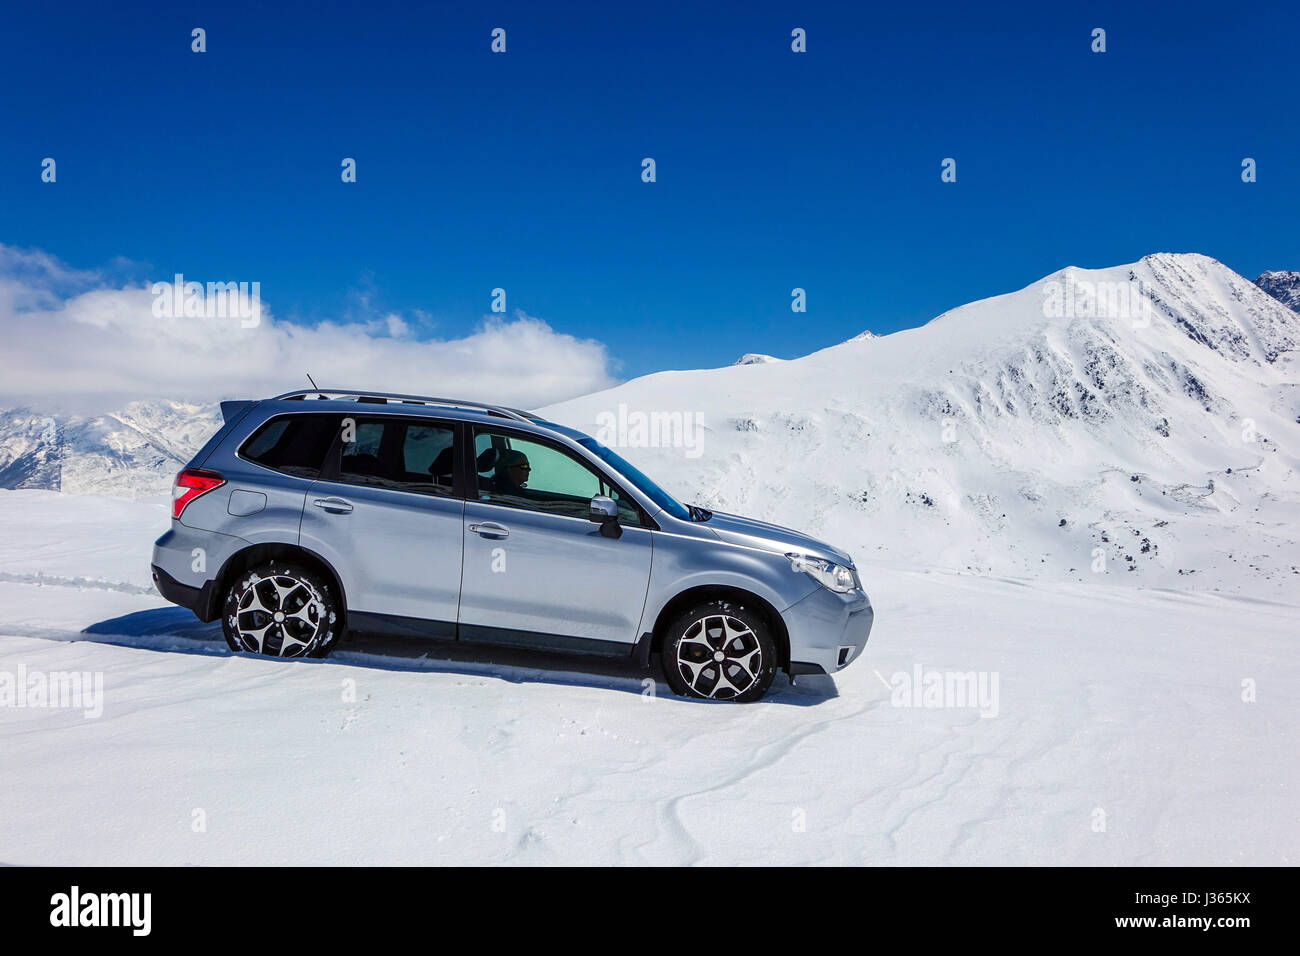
[[605, 511]]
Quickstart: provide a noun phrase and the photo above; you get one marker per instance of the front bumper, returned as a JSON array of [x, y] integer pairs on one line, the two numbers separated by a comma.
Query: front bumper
[[827, 630]]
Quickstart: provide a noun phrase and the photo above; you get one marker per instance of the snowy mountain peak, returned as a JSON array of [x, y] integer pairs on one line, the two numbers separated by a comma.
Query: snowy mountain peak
[[756, 358], [1162, 296], [1283, 286]]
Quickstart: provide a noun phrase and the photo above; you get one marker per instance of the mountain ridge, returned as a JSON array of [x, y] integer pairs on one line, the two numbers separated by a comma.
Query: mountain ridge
[[133, 452]]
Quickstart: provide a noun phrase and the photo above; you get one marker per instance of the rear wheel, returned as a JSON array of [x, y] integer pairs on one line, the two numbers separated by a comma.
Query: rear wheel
[[720, 650], [280, 609]]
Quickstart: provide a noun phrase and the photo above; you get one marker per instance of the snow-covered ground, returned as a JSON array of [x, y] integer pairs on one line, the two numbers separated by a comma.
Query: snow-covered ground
[[1116, 732]]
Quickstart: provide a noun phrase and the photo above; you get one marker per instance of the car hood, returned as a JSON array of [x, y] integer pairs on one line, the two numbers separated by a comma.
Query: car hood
[[771, 537]]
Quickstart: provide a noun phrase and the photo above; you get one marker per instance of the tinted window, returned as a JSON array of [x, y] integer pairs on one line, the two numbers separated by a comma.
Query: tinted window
[[402, 455], [528, 474], [294, 444]]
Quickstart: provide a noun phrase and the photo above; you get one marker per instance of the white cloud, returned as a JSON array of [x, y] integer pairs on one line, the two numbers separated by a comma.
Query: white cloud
[[69, 336]]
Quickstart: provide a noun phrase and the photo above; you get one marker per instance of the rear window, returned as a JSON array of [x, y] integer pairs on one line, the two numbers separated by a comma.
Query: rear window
[[293, 444]]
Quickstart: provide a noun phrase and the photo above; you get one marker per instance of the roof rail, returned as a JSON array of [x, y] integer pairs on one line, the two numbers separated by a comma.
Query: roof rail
[[364, 395]]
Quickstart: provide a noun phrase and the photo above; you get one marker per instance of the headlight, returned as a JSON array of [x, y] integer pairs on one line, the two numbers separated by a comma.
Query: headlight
[[830, 575]]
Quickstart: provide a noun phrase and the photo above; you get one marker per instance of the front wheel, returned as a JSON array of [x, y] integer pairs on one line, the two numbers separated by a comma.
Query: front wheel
[[280, 609], [720, 650]]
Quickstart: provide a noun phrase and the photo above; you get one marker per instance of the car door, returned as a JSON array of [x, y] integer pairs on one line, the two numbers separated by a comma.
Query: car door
[[387, 513], [536, 571]]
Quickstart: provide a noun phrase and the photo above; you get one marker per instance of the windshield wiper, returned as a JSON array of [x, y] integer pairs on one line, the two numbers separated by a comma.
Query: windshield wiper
[[699, 514]]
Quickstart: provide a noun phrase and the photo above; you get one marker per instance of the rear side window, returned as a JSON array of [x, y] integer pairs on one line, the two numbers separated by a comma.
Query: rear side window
[[293, 444], [401, 455]]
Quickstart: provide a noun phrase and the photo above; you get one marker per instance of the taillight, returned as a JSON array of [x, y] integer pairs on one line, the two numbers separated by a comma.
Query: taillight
[[191, 483]]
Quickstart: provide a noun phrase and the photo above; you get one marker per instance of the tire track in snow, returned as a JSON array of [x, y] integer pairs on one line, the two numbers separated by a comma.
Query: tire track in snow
[[84, 584], [196, 643]]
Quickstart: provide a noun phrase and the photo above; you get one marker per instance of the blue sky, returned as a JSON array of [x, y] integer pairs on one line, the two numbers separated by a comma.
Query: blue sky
[[775, 170]]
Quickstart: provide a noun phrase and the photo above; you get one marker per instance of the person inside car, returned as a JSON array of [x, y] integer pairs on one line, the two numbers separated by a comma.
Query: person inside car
[[511, 474]]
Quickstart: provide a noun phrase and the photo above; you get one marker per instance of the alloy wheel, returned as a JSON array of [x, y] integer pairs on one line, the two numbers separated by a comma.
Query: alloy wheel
[[719, 657], [279, 615]]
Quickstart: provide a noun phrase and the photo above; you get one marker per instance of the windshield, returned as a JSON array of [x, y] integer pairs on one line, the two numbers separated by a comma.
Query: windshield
[[643, 484]]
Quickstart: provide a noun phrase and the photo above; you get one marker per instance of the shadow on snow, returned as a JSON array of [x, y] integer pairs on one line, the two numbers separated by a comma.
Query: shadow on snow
[[176, 630]]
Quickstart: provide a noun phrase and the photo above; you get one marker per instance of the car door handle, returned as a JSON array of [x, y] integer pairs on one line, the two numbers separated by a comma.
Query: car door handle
[[489, 530], [333, 505]]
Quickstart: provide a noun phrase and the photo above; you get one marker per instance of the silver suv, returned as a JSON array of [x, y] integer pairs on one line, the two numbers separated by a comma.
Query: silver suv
[[320, 512]]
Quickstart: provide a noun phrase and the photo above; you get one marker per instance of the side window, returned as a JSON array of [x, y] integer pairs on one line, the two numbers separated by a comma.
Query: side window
[[401, 455], [429, 450], [528, 474], [293, 444], [368, 437]]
